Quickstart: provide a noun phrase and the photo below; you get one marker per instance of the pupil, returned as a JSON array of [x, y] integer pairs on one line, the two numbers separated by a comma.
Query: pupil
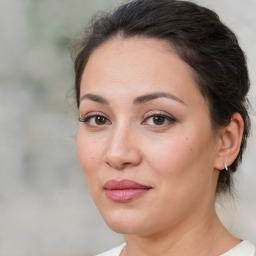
[[159, 120], [100, 120]]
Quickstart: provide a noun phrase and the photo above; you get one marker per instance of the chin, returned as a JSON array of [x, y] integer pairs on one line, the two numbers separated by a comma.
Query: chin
[[125, 221]]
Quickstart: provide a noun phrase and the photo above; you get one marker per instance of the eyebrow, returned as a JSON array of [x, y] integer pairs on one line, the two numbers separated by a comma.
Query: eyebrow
[[153, 96], [139, 100], [95, 98]]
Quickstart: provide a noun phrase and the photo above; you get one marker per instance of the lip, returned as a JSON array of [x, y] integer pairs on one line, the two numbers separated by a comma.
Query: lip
[[124, 190]]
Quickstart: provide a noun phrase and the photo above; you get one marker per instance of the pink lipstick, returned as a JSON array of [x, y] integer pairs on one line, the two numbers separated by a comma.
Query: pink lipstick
[[124, 190]]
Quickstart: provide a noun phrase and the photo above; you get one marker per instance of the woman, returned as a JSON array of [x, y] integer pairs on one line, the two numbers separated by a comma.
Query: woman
[[161, 90]]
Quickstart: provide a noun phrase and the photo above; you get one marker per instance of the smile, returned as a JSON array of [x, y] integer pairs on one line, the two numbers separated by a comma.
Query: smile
[[124, 191]]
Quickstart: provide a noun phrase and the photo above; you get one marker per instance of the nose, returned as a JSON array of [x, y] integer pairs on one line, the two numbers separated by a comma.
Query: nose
[[122, 151]]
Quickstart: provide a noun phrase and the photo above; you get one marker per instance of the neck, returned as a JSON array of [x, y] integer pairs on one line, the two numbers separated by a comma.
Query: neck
[[202, 236]]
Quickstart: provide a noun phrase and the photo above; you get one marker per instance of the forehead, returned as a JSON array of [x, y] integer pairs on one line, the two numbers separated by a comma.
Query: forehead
[[138, 65]]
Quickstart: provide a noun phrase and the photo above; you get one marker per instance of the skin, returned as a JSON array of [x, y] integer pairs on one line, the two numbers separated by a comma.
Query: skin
[[179, 158]]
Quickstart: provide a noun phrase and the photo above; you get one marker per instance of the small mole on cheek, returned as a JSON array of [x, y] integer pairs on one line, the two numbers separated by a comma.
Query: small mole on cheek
[[191, 149]]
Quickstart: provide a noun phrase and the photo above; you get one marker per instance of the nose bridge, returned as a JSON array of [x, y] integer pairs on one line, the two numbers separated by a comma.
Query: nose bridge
[[122, 148], [120, 142]]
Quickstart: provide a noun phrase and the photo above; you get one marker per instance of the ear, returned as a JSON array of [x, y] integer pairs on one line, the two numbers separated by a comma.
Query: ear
[[230, 141]]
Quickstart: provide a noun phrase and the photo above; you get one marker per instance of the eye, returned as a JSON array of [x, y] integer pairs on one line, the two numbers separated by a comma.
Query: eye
[[159, 120], [95, 120]]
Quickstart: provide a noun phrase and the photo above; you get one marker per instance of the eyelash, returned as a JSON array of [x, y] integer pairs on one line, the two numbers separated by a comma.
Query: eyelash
[[89, 117], [166, 118]]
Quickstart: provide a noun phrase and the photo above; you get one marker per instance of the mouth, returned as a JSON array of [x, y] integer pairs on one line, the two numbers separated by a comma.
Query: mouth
[[124, 191]]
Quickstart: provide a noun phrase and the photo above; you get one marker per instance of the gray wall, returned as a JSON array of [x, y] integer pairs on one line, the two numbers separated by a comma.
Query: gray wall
[[45, 206]]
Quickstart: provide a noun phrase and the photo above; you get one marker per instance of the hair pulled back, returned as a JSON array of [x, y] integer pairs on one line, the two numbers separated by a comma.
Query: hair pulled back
[[199, 38]]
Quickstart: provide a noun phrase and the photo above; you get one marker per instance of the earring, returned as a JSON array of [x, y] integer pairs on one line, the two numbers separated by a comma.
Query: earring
[[226, 167]]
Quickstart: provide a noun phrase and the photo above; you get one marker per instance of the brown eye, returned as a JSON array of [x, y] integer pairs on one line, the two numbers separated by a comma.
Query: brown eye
[[159, 120], [100, 120]]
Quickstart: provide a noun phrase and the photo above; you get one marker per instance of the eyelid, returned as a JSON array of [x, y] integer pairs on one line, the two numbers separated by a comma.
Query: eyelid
[[159, 113], [92, 113]]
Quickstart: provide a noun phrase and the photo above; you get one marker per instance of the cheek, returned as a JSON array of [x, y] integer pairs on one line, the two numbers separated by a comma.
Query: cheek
[[88, 155], [180, 169], [169, 157], [183, 161]]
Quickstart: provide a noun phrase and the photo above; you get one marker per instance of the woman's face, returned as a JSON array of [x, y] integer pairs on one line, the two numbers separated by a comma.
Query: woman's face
[[146, 144]]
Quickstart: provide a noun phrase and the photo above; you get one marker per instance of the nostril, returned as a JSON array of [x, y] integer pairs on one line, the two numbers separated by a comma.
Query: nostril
[[118, 166], [108, 164], [121, 155], [125, 164]]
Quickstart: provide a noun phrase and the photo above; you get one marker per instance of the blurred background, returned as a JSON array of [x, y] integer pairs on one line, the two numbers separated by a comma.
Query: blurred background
[[45, 205]]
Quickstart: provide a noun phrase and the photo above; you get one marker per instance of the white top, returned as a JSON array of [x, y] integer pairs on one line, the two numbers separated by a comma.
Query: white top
[[114, 252], [245, 248]]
